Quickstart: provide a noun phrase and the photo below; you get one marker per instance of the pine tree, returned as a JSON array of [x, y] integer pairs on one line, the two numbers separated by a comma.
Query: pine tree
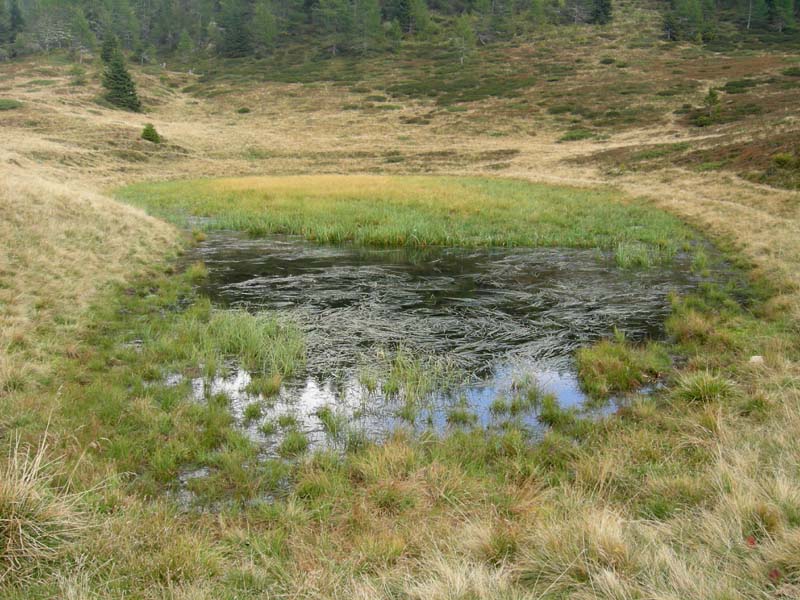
[[334, 17], [601, 12], [264, 26], [781, 14], [109, 48], [367, 24], [120, 86], [236, 40], [16, 23], [4, 28]]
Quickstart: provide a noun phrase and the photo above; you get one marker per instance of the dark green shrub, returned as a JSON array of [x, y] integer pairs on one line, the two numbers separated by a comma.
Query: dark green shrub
[[783, 160], [739, 86], [150, 134], [121, 89], [576, 134]]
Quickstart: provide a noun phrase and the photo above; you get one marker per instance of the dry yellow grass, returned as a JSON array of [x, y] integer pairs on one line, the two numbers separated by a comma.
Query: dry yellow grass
[[62, 244]]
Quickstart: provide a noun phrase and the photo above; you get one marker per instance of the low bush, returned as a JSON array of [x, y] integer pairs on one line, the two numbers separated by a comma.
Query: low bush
[[150, 134]]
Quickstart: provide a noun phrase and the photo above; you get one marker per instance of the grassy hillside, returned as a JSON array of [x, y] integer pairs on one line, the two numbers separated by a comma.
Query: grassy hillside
[[692, 492]]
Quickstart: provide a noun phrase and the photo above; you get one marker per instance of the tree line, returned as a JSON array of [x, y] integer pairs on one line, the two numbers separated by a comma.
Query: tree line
[[152, 29]]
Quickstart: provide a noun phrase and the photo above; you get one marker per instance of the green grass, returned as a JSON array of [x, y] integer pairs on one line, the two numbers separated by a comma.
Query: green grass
[[294, 443], [419, 211], [266, 386], [8, 104], [401, 492], [252, 411], [703, 387], [576, 135], [268, 428], [335, 424], [461, 416], [286, 421], [618, 366], [635, 255]]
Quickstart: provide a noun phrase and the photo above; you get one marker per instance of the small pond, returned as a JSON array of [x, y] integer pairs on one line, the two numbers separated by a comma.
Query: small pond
[[496, 317]]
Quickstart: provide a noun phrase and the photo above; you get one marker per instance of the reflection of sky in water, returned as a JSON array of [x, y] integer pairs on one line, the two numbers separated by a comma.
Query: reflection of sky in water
[[498, 314]]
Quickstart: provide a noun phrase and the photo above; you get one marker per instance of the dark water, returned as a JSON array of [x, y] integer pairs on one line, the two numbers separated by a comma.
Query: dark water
[[495, 316]]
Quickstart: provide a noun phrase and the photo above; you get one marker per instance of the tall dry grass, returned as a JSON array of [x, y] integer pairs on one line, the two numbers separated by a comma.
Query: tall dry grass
[[39, 515]]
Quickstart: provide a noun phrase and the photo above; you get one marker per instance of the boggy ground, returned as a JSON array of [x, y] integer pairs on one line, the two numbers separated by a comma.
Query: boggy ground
[[693, 493]]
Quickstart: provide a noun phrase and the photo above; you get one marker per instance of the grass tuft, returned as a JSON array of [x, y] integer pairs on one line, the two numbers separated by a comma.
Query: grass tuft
[[265, 386], [704, 387], [617, 366], [39, 517], [294, 443]]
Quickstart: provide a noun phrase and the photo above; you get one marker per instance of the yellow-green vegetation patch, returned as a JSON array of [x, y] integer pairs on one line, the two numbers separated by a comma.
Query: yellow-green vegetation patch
[[617, 366], [8, 104], [419, 211]]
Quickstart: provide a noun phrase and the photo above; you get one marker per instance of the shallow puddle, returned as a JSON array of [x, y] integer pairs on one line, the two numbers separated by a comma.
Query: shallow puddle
[[494, 317]]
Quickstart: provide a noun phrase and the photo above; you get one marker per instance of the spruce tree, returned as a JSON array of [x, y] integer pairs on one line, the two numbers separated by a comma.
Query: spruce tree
[[335, 20], [4, 29], [120, 86], [398, 10], [110, 47], [236, 40], [419, 17], [755, 13], [601, 11], [264, 26], [16, 23], [367, 29], [781, 14], [185, 47]]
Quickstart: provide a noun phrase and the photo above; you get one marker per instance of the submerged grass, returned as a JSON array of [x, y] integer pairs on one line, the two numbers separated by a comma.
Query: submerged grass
[[418, 211]]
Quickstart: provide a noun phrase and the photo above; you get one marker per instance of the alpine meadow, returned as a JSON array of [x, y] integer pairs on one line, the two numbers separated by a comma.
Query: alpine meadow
[[403, 299]]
